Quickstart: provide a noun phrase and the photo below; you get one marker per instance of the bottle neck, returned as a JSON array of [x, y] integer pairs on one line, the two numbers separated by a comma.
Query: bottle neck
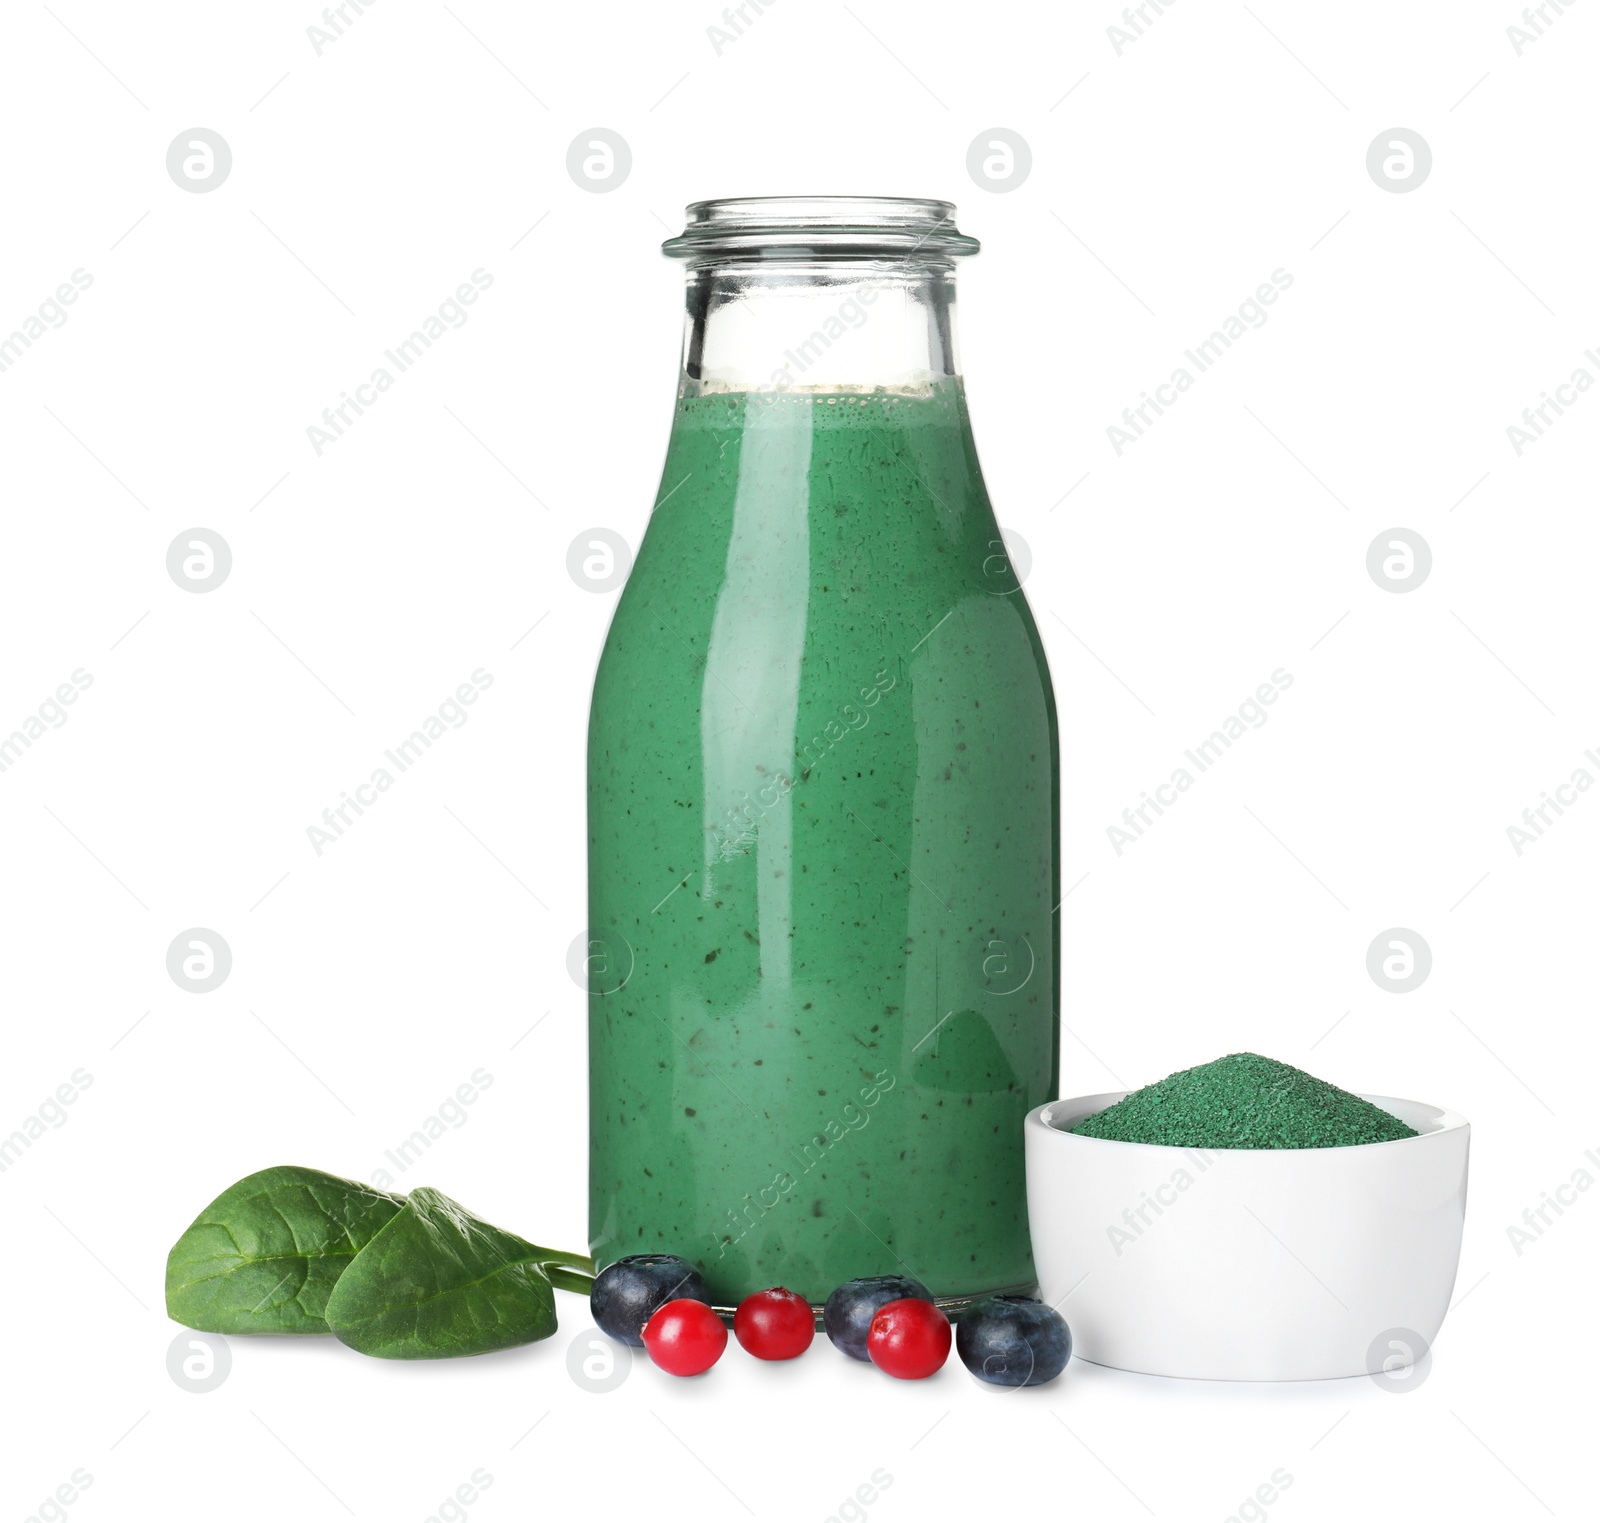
[[851, 325]]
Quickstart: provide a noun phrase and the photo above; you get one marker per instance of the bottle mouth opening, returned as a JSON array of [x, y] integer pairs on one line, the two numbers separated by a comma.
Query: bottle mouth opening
[[756, 229]]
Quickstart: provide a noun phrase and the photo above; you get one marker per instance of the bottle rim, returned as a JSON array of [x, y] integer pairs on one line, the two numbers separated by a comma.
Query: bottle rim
[[741, 229]]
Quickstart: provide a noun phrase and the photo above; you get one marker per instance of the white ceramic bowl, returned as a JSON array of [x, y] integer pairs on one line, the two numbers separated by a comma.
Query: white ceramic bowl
[[1247, 1264]]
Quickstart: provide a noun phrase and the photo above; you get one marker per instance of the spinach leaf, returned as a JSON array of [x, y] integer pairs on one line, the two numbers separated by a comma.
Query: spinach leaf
[[437, 1282], [265, 1254]]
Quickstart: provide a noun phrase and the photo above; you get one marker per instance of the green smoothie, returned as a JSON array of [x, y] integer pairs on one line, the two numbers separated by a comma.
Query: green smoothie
[[823, 864]]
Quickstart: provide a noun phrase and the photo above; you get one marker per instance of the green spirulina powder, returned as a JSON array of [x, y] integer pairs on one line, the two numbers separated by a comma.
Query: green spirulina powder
[[1244, 1101]]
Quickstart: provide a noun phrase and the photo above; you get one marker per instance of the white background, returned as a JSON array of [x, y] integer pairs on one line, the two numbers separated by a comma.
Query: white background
[[1168, 181]]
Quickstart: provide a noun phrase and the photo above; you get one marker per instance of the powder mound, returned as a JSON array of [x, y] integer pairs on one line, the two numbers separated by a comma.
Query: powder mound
[[1244, 1101]]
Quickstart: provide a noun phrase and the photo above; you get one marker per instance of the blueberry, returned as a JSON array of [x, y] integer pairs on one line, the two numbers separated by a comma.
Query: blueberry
[[1013, 1341], [628, 1293], [848, 1315]]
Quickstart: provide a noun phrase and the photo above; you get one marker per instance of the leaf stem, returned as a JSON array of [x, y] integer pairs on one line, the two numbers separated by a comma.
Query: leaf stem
[[576, 1281], [568, 1271]]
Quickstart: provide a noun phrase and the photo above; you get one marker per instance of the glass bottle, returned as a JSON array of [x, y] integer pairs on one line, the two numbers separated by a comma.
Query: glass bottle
[[823, 798]]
